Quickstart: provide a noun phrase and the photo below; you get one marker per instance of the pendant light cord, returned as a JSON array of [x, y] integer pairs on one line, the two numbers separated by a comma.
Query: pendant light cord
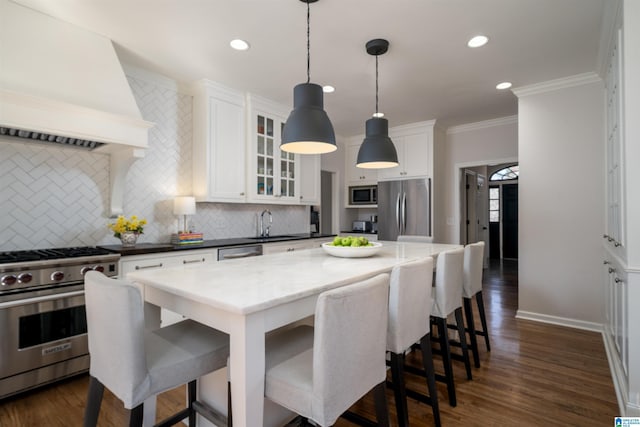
[[308, 43], [376, 85]]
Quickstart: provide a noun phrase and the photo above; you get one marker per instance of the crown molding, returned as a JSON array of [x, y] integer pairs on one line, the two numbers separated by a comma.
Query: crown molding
[[557, 84], [502, 121]]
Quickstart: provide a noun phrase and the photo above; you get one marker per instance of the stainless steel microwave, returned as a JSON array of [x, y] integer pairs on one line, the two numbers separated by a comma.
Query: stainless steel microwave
[[363, 195]]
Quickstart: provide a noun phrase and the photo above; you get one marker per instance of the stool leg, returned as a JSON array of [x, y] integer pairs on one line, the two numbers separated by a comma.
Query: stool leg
[[483, 319], [427, 363], [463, 341], [468, 313], [382, 411], [136, 415], [94, 400], [191, 397], [399, 391], [446, 359]]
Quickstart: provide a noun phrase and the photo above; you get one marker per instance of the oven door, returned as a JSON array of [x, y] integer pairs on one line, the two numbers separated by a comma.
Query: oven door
[[42, 332]]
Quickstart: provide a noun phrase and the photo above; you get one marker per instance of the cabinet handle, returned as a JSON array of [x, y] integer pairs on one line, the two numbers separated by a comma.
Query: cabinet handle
[[143, 267], [618, 280], [192, 261]]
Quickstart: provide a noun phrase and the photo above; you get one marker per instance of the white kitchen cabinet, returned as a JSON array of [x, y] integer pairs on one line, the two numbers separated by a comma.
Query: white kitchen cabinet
[[273, 175], [414, 145], [219, 142], [164, 260], [310, 179], [621, 243], [354, 174], [294, 245]]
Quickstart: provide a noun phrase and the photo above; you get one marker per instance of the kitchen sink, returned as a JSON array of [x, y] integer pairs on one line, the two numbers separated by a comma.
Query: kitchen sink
[[277, 237]]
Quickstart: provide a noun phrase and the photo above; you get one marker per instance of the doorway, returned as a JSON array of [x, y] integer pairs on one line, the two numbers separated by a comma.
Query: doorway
[[510, 221]]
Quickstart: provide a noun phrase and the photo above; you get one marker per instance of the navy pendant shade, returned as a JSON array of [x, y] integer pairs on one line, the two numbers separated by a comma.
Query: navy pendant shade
[[308, 129], [377, 150]]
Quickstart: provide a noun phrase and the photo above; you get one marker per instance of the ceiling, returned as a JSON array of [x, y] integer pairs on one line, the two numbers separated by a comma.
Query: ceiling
[[428, 72]]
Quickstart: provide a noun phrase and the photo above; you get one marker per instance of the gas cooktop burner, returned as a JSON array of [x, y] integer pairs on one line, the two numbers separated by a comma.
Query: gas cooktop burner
[[47, 254]]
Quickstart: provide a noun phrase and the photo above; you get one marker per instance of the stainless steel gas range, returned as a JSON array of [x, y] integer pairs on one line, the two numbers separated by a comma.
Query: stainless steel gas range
[[43, 326]]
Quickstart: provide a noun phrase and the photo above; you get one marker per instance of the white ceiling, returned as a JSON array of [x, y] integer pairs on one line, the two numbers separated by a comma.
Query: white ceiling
[[428, 73]]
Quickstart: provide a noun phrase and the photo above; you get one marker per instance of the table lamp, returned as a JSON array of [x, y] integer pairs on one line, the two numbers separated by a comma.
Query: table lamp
[[184, 205]]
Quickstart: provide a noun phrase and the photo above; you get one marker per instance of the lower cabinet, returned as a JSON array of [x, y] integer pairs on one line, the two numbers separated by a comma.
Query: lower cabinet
[[617, 327], [165, 260], [294, 245]]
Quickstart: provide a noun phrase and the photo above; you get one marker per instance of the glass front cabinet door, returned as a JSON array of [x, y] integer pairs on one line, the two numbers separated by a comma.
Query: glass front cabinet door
[[273, 174]]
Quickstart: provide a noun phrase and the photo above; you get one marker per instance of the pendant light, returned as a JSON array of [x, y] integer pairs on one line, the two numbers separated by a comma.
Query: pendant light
[[308, 129], [377, 150]]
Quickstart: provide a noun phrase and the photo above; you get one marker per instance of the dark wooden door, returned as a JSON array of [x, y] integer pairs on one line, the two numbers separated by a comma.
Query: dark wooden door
[[510, 221]]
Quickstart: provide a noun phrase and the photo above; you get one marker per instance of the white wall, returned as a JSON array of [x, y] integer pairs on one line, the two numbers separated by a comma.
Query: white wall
[[489, 142], [561, 215]]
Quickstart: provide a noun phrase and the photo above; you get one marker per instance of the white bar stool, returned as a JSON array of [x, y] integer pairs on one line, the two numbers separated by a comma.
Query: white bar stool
[[447, 299], [409, 311], [472, 286], [135, 364], [320, 372]]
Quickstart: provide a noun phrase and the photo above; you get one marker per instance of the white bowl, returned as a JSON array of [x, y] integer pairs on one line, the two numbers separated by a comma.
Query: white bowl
[[352, 252]]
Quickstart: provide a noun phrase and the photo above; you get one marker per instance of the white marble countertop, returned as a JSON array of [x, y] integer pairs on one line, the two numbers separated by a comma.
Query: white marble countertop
[[248, 285]]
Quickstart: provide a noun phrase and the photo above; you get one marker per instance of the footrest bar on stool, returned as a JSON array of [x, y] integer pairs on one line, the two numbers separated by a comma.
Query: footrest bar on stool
[[414, 394], [174, 419], [210, 414], [358, 419]]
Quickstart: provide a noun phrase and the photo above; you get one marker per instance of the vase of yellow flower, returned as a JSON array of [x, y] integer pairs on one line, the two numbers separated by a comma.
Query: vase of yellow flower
[[128, 230]]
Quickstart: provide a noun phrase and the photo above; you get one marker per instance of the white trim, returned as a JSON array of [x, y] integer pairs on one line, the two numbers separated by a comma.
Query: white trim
[[560, 321], [557, 84], [617, 373], [502, 121]]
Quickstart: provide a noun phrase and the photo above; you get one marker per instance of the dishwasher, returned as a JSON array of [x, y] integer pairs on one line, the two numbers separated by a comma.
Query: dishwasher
[[239, 252]]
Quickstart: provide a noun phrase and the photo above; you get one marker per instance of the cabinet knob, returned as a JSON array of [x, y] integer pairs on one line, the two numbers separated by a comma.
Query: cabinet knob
[[242, 194], [605, 236], [616, 244], [605, 262], [612, 270], [618, 280]]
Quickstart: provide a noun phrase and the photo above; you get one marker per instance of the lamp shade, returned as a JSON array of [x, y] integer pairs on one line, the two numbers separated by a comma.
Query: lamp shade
[[377, 150], [308, 129], [184, 205]]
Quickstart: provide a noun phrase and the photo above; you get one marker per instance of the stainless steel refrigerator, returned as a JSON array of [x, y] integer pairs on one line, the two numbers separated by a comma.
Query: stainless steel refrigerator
[[404, 207]]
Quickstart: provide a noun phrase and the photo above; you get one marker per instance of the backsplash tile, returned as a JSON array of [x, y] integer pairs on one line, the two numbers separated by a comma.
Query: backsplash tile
[[56, 197]]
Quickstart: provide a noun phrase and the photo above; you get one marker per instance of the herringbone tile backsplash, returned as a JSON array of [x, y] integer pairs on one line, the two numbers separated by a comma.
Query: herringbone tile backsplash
[[57, 197]]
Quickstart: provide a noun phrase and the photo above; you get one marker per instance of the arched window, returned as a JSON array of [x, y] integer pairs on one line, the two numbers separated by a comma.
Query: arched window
[[504, 174]]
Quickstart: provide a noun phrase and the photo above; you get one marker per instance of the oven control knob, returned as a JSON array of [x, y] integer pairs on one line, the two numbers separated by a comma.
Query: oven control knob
[[25, 277], [57, 276], [7, 280], [85, 270], [99, 268]]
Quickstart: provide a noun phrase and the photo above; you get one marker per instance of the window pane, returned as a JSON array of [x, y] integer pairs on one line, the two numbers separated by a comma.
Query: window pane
[[494, 193], [494, 205], [494, 216]]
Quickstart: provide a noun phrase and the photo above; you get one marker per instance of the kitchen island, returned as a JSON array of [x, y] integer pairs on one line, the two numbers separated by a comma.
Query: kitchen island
[[247, 298]]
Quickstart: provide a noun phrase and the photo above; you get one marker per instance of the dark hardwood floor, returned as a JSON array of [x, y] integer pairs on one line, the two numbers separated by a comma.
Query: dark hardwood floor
[[535, 375]]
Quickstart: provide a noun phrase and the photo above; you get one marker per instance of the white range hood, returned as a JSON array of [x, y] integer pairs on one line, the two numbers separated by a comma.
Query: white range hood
[[63, 85]]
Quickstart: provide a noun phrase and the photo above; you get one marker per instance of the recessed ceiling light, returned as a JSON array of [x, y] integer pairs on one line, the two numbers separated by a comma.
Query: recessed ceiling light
[[239, 44], [378, 115], [503, 85], [328, 89], [477, 41]]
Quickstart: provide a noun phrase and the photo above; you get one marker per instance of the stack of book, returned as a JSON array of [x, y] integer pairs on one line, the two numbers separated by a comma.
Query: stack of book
[[186, 238]]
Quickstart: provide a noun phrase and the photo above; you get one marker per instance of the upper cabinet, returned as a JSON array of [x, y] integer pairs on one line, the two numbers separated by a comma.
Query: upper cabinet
[[272, 175], [414, 144], [356, 175], [219, 143], [310, 179]]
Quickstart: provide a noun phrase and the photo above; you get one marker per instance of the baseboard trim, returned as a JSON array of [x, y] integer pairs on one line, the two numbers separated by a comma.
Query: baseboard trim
[[617, 373], [560, 321]]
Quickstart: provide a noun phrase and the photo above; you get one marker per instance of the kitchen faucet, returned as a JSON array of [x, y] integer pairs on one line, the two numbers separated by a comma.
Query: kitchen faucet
[[264, 232]]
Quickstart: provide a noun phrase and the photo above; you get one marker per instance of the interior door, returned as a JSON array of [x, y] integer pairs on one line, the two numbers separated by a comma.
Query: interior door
[[482, 210], [510, 221]]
